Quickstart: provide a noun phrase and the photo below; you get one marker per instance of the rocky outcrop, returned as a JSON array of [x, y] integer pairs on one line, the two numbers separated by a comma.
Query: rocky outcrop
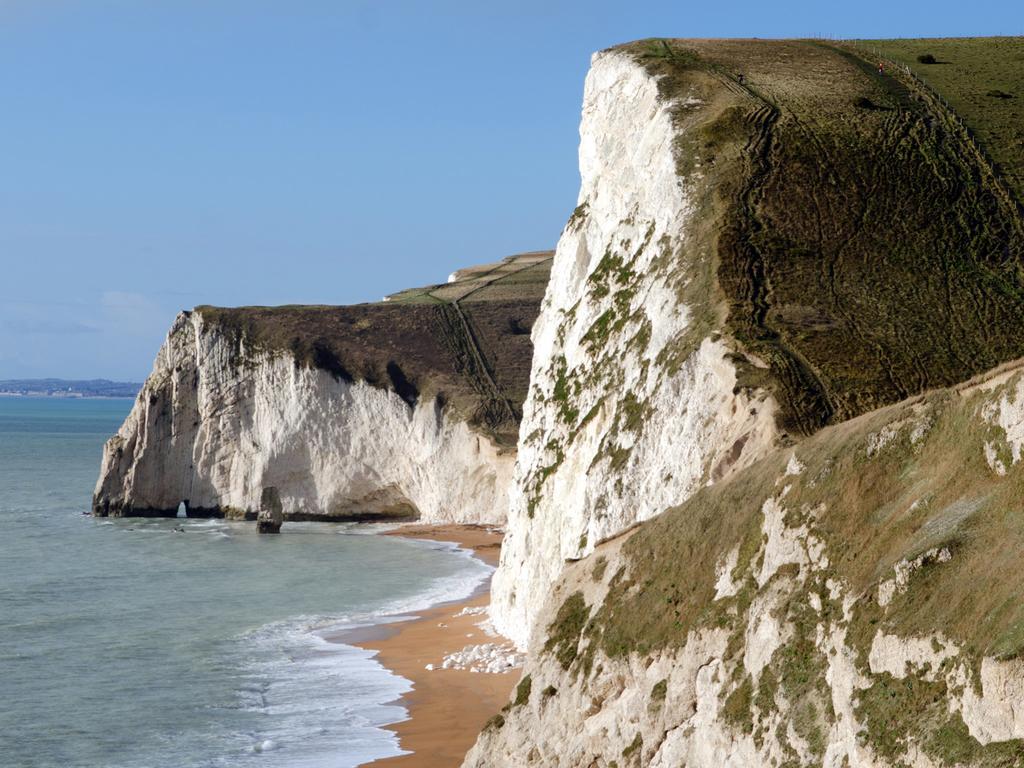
[[389, 411], [853, 601], [271, 514]]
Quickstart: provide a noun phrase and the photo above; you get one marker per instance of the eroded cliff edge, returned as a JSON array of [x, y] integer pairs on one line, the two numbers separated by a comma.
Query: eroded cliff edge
[[633, 398], [401, 409], [835, 585], [752, 258]]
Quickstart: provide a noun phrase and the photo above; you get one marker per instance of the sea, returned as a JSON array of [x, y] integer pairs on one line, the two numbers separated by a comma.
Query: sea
[[188, 643]]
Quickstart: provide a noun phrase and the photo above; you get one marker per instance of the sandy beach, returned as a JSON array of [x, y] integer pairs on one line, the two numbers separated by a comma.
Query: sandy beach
[[447, 707]]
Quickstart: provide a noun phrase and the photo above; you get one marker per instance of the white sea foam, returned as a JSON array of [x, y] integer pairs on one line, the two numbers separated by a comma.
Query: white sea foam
[[457, 587], [326, 702]]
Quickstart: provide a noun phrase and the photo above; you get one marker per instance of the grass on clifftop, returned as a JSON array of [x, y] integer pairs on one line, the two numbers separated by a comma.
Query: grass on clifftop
[[863, 250], [465, 343], [982, 78]]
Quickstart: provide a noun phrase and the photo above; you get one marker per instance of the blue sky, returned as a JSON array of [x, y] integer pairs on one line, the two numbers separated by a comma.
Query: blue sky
[[158, 155]]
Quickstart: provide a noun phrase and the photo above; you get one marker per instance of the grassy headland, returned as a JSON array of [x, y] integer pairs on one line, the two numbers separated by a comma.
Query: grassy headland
[[865, 250], [465, 343]]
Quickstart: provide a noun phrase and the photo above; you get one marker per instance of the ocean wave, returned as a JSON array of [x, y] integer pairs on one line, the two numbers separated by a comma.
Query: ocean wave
[[324, 702], [319, 703]]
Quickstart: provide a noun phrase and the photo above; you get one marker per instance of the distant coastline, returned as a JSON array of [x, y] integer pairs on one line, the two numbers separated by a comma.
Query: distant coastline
[[69, 388]]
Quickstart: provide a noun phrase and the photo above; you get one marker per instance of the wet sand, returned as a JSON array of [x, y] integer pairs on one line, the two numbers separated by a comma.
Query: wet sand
[[447, 707]]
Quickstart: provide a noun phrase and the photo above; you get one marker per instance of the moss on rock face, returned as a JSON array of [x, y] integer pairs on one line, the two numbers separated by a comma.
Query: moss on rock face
[[893, 712], [634, 749], [565, 631], [659, 691], [899, 712], [736, 709], [765, 703], [951, 744], [523, 691], [564, 392]]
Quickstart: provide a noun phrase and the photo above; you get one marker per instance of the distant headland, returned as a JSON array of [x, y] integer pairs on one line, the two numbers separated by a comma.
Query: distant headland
[[69, 388]]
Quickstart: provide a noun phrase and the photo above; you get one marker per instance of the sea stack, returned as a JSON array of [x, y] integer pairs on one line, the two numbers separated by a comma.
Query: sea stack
[[271, 514]]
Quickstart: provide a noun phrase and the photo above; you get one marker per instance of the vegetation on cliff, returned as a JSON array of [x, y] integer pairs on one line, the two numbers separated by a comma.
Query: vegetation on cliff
[[865, 249], [466, 342], [902, 523], [982, 80]]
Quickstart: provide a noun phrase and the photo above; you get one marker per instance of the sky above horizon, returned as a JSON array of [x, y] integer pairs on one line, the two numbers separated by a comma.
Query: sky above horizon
[[159, 155]]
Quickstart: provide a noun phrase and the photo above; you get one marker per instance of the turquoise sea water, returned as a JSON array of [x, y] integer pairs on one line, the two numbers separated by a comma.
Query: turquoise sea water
[[179, 643]]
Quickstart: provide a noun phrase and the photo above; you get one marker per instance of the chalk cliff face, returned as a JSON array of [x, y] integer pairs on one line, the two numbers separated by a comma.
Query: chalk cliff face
[[633, 401], [850, 602], [215, 434], [735, 535], [733, 540], [370, 412]]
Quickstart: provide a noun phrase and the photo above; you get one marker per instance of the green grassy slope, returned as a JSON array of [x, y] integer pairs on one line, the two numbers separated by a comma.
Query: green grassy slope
[[465, 342], [889, 486], [876, 493], [982, 79], [865, 251], [521, 276]]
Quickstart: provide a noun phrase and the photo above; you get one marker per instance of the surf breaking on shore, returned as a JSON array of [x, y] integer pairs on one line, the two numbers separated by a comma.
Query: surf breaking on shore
[[460, 671], [329, 696]]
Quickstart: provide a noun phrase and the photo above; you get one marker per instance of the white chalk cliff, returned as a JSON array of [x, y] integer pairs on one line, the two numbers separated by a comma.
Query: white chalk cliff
[[781, 625], [692, 584], [213, 432], [632, 403], [691, 590]]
